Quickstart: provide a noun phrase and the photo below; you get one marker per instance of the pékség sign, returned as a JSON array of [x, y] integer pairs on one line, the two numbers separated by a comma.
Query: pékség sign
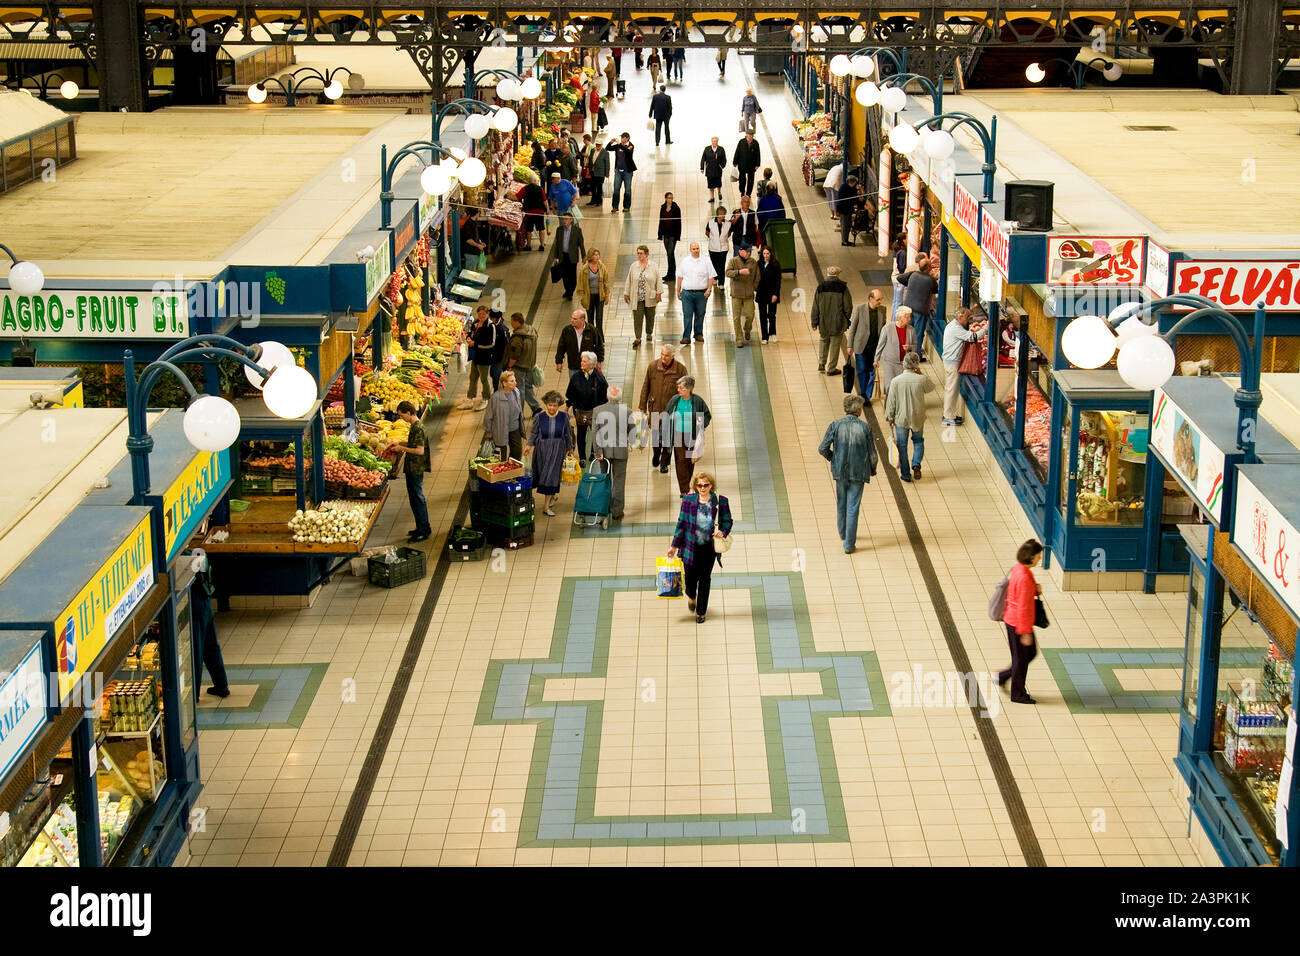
[[101, 314], [1238, 284]]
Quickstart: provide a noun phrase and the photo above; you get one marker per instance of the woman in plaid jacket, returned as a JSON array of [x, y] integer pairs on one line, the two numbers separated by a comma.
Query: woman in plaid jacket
[[705, 516]]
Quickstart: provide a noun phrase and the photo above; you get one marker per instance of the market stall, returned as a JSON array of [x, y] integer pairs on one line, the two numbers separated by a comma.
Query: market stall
[[822, 148]]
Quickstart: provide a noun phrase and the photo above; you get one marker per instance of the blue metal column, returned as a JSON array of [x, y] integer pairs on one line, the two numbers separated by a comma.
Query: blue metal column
[[85, 789], [1207, 690]]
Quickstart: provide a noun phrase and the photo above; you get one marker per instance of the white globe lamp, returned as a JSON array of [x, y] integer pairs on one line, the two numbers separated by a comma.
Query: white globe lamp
[[333, 90], [1146, 362], [477, 125], [1113, 72], [26, 278], [903, 138], [435, 180], [1035, 73], [472, 172], [505, 120], [211, 423], [840, 65], [531, 88], [69, 90], [457, 154], [257, 93], [274, 355], [862, 66], [1133, 328], [507, 89], [290, 392], [939, 144], [1088, 342], [868, 94], [892, 99]]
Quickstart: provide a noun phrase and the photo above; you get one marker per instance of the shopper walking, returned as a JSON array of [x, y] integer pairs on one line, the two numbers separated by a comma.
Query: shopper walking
[[593, 289], [578, 337], [587, 389], [533, 200], [694, 286], [473, 242], [847, 201], [611, 76], [416, 448], [746, 158], [561, 193], [767, 294], [1019, 616], [637, 53], [921, 297], [864, 338], [482, 345], [503, 420], [766, 184], [670, 230], [716, 233], [498, 320], [624, 167], [521, 357], [679, 62], [549, 442], [704, 518], [643, 294], [599, 166], [570, 165], [905, 412], [832, 307], [744, 226], [595, 112], [688, 416], [850, 448], [721, 58], [896, 343], [956, 337], [612, 433], [713, 163], [749, 110], [655, 65], [743, 273], [899, 248], [770, 207], [661, 111], [570, 248], [657, 390]]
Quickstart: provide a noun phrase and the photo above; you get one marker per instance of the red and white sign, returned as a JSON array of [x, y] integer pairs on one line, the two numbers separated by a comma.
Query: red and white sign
[[1094, 260], [966, 210], [995, 242], [1238, 284], [1270, 542], [1157, 277]]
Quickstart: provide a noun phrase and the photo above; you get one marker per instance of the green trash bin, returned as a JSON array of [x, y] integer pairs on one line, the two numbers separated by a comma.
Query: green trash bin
[[779, 234]]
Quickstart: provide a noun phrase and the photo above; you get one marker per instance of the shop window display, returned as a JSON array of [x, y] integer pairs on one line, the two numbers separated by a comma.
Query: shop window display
[[1111, 475]]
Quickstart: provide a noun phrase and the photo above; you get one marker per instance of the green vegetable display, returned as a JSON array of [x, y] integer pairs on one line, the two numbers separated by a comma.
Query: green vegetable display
[[336, 447]]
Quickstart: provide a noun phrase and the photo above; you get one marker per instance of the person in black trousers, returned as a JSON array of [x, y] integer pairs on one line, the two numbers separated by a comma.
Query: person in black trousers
[[713, 163], [569, 249], [846, 204], [744, 227], [661, 110], [670, 230], [747, 158], [767, 295], [201, 593]]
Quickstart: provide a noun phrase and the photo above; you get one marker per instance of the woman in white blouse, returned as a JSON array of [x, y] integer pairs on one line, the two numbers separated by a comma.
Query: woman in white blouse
[[643, 291], [718, 232]]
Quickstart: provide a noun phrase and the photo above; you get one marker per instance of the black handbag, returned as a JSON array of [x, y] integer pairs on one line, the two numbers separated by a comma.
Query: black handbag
[[1040, 613], [848, 375], [556, 273]]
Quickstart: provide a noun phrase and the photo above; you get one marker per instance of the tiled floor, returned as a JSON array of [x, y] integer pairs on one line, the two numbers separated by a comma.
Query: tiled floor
[[558, 713]]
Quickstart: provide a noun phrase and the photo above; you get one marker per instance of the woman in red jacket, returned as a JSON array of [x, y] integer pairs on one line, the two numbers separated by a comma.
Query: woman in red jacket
[[1018, 616]]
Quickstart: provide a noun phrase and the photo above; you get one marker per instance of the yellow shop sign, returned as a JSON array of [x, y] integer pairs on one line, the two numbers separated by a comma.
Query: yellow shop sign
[[96, 614], [191, 496]]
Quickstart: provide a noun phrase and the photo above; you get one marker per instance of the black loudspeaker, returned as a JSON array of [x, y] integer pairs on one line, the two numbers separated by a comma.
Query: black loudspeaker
[[1029, 202]]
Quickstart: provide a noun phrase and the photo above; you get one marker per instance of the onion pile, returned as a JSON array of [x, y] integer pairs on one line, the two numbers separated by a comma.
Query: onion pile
[[329, 525]]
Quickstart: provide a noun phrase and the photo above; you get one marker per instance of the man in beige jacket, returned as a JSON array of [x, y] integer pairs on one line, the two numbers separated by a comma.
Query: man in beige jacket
[[905, 411], [743, 273]]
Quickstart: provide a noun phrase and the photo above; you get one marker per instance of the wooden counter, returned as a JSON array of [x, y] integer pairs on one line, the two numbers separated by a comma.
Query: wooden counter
[[264, 529]]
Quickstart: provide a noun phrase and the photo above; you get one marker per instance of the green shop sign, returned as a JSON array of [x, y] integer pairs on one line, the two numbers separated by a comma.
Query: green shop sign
[[378, 269], [101, 314]]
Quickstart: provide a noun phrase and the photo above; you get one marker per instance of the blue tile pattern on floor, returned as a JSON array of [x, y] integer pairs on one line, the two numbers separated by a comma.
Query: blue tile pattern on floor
[[284, 694]]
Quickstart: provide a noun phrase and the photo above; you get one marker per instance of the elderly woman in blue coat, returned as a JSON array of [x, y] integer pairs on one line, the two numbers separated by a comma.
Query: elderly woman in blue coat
[[704, 518]]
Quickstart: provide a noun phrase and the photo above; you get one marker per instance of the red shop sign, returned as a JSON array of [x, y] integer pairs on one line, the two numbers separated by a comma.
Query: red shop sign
[[1238, 284], [966, 211], [995, 242]]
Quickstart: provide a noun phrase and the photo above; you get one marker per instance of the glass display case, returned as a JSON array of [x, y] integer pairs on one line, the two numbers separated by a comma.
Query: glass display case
[[1110, 481], [42, 829]]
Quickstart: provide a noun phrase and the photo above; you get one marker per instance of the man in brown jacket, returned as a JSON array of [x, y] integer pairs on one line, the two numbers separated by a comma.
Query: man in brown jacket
[[742, 270], [658, 389], [521, 356]]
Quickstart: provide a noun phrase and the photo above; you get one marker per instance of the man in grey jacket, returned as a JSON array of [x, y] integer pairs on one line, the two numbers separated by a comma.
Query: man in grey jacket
[[864, 338], [832, 306], [850, 448], [905, 411], [613, 431]]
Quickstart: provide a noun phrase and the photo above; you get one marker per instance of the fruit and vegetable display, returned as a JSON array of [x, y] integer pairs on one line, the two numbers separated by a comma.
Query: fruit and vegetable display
[[346, 451], [340, 472], [389, 391], [333, 523]]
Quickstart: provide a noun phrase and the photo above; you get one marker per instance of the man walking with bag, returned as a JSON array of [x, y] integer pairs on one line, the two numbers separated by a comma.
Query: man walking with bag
[[747, 158], [659, 388], [613, 432], [661, 111], [570, 248], [850, 448]]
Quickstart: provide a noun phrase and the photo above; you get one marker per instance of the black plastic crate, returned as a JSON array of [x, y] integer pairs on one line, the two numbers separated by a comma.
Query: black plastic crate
[[410, 567], [500, 537], [465, 542], [512, 521], [520, 503], [476, 554], [512, 544]]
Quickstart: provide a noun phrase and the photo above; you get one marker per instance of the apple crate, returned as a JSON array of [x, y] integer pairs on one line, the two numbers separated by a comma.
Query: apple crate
[[516, 470]]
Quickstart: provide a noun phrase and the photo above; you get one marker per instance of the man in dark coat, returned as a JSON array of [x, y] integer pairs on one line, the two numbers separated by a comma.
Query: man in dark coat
[[578, 337], [570, 249], [624, 167], [747, 158], [661, 110]]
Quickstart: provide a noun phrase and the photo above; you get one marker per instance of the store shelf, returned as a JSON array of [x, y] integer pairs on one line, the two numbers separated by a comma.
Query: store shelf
[[264, 529]]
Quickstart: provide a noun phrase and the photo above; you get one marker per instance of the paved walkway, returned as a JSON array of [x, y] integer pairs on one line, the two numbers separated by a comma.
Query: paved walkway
[[545, 708]]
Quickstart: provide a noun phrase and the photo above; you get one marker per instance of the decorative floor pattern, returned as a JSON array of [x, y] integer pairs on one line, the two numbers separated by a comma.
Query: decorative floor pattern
[[281, 699]]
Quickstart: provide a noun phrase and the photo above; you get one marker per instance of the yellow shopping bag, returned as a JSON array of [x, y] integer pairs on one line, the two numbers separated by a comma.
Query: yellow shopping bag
[[668, 577], [571, 474]]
